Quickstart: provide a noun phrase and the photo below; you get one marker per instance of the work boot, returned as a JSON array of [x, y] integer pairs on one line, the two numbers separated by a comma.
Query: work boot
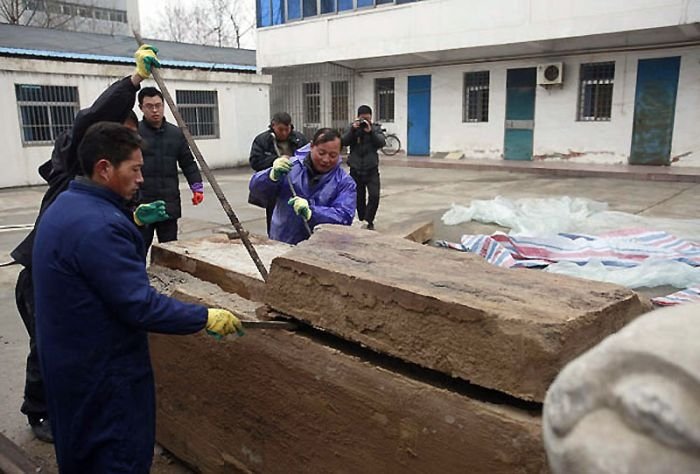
[[42, 429]]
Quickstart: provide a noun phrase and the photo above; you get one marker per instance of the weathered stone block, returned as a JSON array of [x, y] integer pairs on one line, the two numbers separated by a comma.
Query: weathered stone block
[[280, 402], [509, 330], [221, 260]]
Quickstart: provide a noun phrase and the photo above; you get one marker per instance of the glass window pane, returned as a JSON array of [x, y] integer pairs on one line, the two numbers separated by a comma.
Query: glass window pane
[[310, 8], [264, 13], [293, 9], [327, 6], [379, 2], [345, 5], [277, 12], [365, 3]]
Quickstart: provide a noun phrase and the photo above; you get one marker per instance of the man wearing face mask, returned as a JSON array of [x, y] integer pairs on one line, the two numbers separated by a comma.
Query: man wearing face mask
[[280, 139], [313, 189]]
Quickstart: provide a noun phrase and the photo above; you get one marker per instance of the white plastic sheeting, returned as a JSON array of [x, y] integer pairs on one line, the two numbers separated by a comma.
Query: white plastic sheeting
[[548, 216], [551, 216]]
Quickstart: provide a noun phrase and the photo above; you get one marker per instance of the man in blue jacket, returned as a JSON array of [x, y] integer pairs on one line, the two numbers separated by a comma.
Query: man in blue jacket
[[323, 193], [94, 308], [115, 104]]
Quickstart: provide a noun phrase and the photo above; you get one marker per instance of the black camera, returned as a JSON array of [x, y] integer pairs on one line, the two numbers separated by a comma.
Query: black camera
[[364, 125]]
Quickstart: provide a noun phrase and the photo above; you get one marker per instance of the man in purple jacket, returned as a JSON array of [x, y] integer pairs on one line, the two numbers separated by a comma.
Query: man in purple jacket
[[313, 189]]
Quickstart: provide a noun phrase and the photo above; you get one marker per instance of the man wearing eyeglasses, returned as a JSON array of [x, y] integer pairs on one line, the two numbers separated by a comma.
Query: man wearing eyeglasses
[[166, 149]]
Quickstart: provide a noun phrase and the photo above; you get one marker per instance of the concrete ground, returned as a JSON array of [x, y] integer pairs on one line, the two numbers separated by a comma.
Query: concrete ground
[[407, 193]]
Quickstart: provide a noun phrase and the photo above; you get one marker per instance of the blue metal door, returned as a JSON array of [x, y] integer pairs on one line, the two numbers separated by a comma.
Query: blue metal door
[[520, 113], [654, 109], [419, 115]]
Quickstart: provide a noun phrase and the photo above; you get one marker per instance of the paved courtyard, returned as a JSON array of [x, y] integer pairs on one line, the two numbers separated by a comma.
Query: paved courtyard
[[407, 194]]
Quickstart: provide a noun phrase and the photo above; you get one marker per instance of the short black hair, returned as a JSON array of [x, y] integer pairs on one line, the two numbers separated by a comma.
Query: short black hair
[[131, 117], [364, 109], [106, 140], [325, 135], [281, 117], [149, 92]]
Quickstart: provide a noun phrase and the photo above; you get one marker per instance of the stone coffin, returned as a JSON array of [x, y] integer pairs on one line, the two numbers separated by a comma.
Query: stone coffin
[[281, 402], [221, 260], [510, 330]]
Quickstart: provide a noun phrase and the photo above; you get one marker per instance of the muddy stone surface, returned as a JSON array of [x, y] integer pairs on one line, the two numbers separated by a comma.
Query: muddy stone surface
[[510, 330]]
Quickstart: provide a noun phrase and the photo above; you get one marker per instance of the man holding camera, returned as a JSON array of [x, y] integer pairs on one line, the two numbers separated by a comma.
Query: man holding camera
[[364, 139]]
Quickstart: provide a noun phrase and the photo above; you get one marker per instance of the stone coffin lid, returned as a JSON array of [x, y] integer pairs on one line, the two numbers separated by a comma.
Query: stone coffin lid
[[506, 329]]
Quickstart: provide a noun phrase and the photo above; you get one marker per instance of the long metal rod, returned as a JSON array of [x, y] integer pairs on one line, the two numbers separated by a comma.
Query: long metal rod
[[291, 186], [205, 168]]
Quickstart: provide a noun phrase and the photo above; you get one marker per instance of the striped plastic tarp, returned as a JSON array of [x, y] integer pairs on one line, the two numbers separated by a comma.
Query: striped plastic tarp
[[621, 249]]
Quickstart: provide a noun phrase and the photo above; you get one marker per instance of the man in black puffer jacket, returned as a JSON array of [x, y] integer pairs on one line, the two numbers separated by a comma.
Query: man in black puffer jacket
[[166, 149], [364, 138], [280, 139]]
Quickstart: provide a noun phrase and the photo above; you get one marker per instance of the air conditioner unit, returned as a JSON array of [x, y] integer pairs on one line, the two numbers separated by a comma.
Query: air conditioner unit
[[550, 74]]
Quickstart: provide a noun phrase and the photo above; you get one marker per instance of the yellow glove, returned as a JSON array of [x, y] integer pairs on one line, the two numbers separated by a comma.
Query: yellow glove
[[146, 58], [280, 167], [221, 322], [301, 207]]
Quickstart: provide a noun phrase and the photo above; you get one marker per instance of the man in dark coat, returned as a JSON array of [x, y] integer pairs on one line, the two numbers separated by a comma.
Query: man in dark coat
[[115, 104], [166, 149], [280, 139], [94, 309], [323, 191], [364, 139]]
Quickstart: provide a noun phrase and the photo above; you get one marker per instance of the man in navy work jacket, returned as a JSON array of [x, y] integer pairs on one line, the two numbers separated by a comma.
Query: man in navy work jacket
[[115, 104], [94, 308], [325, 193]]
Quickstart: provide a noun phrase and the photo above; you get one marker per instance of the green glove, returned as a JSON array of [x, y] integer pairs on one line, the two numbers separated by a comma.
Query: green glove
[[301, 207], [221, 322], [280, 167], [146, 58], [150, 213]]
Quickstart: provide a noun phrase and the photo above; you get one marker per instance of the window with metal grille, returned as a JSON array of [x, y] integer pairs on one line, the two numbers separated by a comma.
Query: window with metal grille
[[339, 104], [200, 110], [384, 98], [45, 111], [595, 95], [475, 107], [312, 102]]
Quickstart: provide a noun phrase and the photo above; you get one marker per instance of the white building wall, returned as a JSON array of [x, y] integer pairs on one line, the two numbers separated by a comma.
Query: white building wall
[[558, 135], [442, 25], [243, 109]]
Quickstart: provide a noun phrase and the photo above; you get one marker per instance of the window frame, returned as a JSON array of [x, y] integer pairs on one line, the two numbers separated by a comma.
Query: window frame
[[46, 105], [381, 94], [590, 87], [198, 108], [473, 81]]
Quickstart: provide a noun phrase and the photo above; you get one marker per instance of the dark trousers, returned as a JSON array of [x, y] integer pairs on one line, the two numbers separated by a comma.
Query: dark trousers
[[34, 405], [367, 193], [268, 215], [166, 230]]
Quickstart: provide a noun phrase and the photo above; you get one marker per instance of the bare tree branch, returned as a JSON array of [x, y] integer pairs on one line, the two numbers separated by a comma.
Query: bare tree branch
[[210, 22]]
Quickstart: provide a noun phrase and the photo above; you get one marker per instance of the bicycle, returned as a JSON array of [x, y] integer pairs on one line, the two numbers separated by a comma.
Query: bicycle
[[393, 144]]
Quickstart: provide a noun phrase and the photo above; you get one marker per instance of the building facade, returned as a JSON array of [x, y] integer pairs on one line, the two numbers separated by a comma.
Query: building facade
[[114, 17], [46, 76], [595, 81]]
